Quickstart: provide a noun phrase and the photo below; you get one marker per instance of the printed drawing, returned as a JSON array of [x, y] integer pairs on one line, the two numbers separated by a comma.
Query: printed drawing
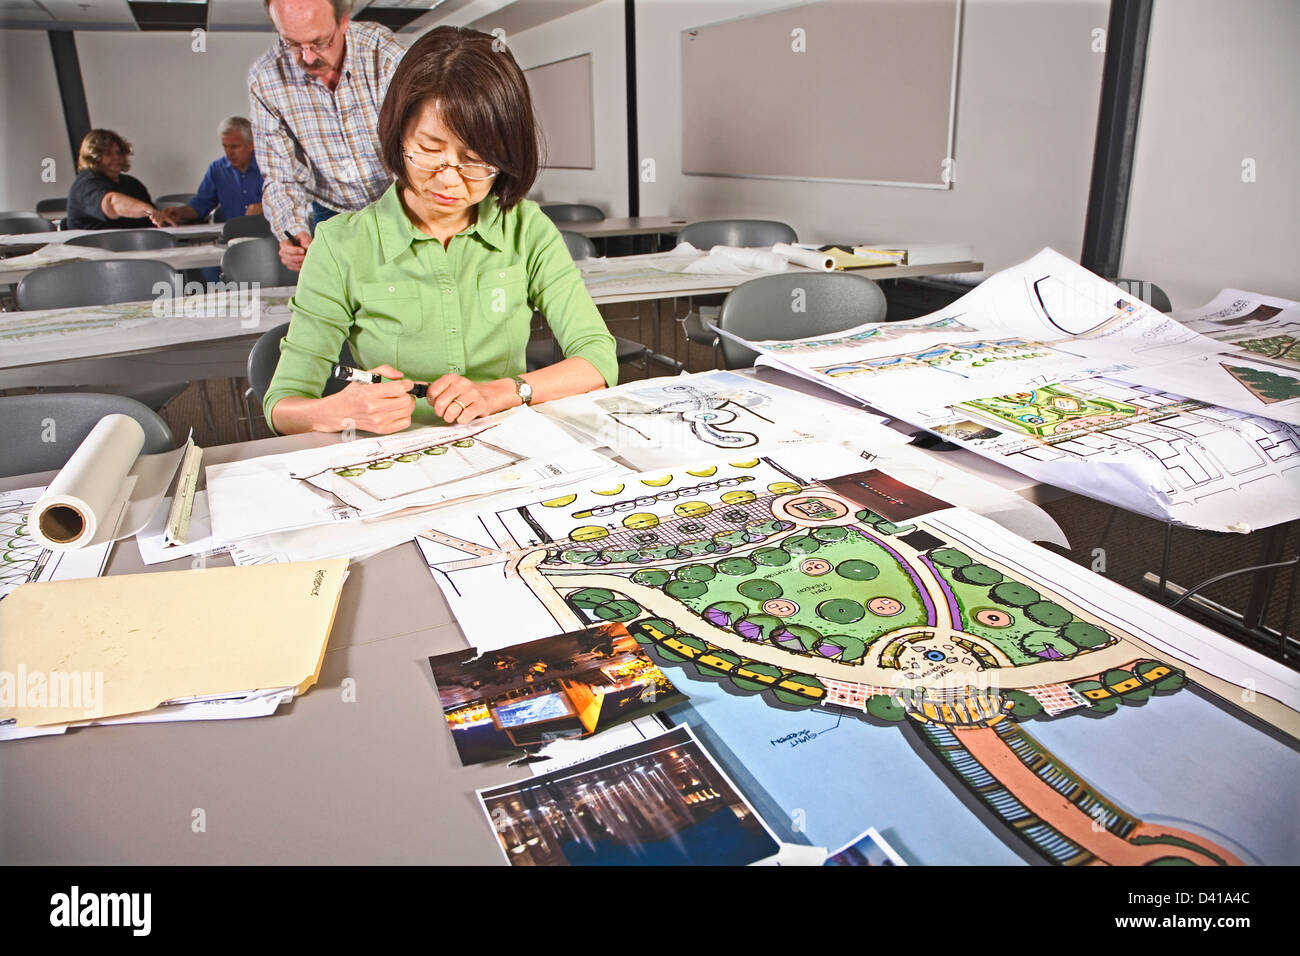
[[1279, 348], [853, 594], [883, 332], [1055, 411], [962, 359], [1268, 387], [1081, 309], [388, 476], [712, 420]]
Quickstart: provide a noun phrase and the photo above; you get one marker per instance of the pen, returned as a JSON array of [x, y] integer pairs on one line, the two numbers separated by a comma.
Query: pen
[[292, 238], [346, 373]]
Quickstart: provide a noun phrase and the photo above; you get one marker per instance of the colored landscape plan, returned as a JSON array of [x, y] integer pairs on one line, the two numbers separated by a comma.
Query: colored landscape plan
[[1148, 451], [872, 657], [669, 420], [1038, 323]]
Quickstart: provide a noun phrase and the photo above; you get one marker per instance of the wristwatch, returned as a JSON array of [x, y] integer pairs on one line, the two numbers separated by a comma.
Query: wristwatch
[[524, 389]]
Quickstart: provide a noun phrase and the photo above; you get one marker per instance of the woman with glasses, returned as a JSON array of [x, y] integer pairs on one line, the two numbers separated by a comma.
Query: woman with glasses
[[436, 282], [103, 196]]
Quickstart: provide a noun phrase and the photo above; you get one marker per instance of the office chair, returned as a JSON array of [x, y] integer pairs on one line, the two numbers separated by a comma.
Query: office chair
[[256, 260], [72, 284], [540, 353], [22, 223], [23, 431], [573, 212], [262, 360], [173, 199], [761, 308], [746, 233], [126, 240], [253, 227]]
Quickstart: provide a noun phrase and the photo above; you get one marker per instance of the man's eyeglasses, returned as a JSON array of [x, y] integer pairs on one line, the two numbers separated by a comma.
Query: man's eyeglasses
[[317, 47], [435, 163]]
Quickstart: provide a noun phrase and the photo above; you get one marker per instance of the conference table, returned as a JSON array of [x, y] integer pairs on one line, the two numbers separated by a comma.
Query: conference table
[[357, 772]]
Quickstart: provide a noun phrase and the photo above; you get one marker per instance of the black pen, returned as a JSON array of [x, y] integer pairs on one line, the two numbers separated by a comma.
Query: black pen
[[292, 238], [346, 373]]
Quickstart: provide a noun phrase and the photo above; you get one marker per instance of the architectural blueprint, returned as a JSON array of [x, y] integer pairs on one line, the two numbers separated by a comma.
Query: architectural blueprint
[[1037, 323], [1151, 452], [871, 656]]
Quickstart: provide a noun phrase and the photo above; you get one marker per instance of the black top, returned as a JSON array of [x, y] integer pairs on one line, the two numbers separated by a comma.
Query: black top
[[87, 192]]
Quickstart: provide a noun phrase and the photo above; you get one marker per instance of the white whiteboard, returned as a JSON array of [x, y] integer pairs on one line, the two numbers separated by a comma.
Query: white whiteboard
[[860, 91], [562, 100]]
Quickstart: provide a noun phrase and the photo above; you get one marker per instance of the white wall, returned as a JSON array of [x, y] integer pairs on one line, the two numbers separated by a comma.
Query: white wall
[[597, 30], [167, 99], [31, 118], [1029, 87], [1220, 88]]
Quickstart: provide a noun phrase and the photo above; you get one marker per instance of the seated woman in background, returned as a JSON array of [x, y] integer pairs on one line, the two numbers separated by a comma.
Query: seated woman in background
[[103, 196], [438, 279]]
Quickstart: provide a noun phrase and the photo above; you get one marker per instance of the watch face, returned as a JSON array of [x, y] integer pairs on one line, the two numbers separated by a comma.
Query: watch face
[[525, 391]]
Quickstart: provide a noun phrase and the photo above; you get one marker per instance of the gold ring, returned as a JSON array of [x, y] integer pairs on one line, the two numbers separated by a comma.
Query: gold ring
[[457, 401]]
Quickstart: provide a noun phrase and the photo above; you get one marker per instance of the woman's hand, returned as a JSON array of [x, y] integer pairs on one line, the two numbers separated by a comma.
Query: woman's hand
[[382, 409], [457, 400]]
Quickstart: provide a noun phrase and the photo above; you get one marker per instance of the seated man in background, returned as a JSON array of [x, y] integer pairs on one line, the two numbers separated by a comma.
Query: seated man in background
[[103, 196], [234, 183]]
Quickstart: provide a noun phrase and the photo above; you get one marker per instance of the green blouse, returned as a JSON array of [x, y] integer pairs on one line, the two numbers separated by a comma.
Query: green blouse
[[400, 298]]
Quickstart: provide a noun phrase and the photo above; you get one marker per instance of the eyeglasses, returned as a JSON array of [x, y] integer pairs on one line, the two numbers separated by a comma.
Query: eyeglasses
[[434, 163], [316, 46]]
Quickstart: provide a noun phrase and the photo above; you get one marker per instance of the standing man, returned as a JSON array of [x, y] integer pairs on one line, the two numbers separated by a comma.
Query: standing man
[[233, 182], [315, 99]]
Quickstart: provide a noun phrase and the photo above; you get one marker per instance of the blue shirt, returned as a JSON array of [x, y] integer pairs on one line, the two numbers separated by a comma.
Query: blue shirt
[[225, 186]]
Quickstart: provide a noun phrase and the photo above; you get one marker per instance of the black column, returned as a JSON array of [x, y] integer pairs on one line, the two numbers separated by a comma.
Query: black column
[[1117, 122], [633, 160], [67, 68]]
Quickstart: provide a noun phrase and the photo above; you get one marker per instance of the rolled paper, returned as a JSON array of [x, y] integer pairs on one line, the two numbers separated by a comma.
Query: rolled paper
[[809, 258], [84, 502]]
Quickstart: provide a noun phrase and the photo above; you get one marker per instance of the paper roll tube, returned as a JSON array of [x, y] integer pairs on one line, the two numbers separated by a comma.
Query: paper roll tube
[[88, 490], [760, 260], [810, 258]]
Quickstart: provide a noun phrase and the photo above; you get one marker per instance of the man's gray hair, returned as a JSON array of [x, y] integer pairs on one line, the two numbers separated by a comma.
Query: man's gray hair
[[341, 8], [237, 124]]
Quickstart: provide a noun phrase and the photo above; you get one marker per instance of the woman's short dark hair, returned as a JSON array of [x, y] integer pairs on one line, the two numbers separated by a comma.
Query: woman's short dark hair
[[98, 142], [482, 97]]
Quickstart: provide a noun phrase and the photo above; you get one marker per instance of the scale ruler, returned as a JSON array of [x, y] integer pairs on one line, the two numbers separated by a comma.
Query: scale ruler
[[178, 519]]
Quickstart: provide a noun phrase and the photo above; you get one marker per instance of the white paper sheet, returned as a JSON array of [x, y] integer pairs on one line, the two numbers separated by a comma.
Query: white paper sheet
[[665, 421], [150, 538], [24, 559], [372, 477]]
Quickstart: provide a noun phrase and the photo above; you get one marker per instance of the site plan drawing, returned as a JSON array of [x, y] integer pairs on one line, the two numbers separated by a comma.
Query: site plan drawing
[[861, 627], [371, 477], [669, 420], [1151, 452]]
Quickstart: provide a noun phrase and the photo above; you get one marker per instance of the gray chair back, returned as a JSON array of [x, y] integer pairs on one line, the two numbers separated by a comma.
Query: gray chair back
[[24, 224], [736, 232], [24, 420], [126, 240], [573, 212], [579, 246], [265, 356], [1148, 292], [54, 204], [254, 227], [173, 199], [92, 283], [257, 260], [763, 308]]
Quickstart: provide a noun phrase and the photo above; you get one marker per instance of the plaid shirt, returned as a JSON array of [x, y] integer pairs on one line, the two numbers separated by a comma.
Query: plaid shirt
[[317, 145]]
